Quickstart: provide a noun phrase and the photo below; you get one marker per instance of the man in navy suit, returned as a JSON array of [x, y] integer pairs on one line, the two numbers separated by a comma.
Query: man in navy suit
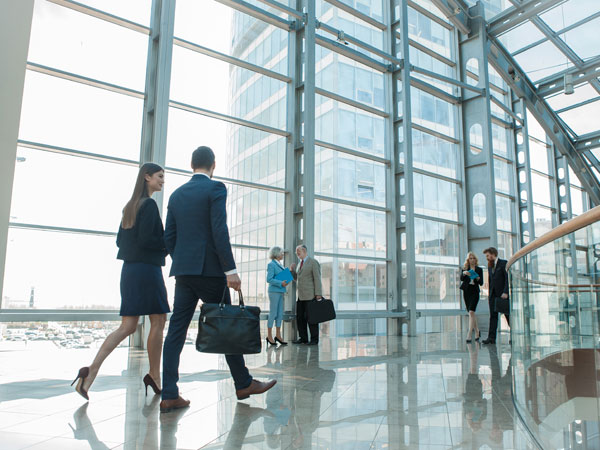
[[498, 287], [197, 238]]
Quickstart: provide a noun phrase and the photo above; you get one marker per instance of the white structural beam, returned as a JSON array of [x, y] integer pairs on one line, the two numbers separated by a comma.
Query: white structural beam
[[516, 15], [554, 84]]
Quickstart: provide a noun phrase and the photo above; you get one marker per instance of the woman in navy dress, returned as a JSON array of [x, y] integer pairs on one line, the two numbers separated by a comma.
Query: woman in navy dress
[[143, 292], [470, 288]]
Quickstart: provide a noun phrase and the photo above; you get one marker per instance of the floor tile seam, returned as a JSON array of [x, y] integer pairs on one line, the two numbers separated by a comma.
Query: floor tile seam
[[377, 432], [337, 398], [446, 405], [37, 443]]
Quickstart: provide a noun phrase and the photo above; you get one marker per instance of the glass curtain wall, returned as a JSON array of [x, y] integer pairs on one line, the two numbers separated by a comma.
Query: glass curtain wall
[[230, 88]]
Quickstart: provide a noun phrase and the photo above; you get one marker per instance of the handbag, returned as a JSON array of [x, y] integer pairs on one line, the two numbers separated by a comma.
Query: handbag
[[229, 329], [502, 305], [319, 311]]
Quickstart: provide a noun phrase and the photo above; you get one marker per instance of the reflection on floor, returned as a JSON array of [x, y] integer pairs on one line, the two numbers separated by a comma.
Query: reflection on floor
[[433, 391]]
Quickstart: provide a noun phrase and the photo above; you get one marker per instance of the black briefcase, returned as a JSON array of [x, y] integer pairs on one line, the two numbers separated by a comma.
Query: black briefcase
[[229, 329], [502, 305], [319, 311]]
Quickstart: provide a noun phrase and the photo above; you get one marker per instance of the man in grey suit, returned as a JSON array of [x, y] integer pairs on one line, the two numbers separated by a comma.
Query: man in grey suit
[[308, 285]]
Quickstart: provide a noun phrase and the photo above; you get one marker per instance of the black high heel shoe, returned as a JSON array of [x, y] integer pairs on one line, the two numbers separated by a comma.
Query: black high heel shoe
[[478, 337], [269, 342], [280, 341], [84, 372], [149, 381]]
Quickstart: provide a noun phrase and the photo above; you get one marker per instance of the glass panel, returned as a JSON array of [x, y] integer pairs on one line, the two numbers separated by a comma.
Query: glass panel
[[504, 208], [96, 204], [219, 27], [502, 171], [241, 153], [138, 11], [73, 115], [435, 155], [436, 242], [343, 76], [427, 62], [429, 33], [576, 201], [339, 175], [583, 119], [521, 37], [252, 267], [568, 13], [434, 113], [540, 189], [437, 287], [538, 156], [435, 197], [355, 231], [227, 89], [74, 42], [543, 220], [499, 140], [63, 270], [479, 209], [535, 61], [353, 128]]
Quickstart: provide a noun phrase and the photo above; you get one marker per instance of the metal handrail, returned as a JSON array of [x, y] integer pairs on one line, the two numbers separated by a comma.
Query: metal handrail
[[579, 222]]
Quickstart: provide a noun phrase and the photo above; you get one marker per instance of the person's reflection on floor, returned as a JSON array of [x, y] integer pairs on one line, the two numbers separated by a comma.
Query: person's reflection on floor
[[84, 430], [276, 404], [501, 394], [242, 419], [474, 405], [306, 402]]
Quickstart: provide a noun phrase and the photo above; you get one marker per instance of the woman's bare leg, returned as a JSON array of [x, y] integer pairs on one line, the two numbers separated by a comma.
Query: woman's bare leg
[[127, 327], [155, 344]]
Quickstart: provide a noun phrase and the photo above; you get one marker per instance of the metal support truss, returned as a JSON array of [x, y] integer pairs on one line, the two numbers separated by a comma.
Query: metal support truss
[[586, 71], [405, 232], [588, 141], [510, 71], [478, 156], [456, 12], [516, 15], [258, 13]]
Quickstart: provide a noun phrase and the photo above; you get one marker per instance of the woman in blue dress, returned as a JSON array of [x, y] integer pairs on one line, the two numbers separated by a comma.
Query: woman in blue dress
[[143, 292], [277, 289]]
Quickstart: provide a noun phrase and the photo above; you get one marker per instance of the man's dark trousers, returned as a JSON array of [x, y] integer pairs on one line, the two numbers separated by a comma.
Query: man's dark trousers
[[188, 290], [493, 330], [302, 322]]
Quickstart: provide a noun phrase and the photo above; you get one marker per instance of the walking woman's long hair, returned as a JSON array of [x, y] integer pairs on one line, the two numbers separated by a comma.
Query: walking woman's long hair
[[140, 193], [467, 265]]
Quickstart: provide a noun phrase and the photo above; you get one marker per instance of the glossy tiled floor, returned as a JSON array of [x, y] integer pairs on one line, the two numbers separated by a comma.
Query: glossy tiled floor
[[433, 391]]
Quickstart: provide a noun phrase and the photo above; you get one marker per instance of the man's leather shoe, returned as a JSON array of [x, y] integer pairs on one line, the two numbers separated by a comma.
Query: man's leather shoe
[[488, 341], [256, 387], [176, 403], [299, 341], [313, 343]]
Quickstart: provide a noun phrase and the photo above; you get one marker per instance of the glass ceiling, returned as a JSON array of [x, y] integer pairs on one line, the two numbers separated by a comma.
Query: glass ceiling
[[559, 40]]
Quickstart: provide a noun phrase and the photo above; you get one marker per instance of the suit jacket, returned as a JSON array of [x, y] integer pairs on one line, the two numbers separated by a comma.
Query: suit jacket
[[273, 269], [498, 279], [196, 233], [308, 280]]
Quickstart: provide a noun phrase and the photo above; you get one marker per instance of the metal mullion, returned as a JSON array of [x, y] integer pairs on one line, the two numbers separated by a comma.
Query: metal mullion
[[438, 219], [243, 183], [446, 79], [226, 118], [577, 105], [348, 151], [430, 15], [434, 263], [436, 175], [98, 14], [588, 141], [416, 126], [516, 15], [456, 13], [77, 153], [431, 53], [435, 91], [501, 122], [257, 13], [50, 228], [351, 53], [505, 109], [359, 257], [360, 205], [352, 40], [249, 247], [359, 15], [505, 195], [283, 8], [350, 102], [230, 59], [34, 67]]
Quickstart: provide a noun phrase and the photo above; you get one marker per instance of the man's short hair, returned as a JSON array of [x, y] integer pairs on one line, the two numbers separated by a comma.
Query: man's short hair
[[203, 158], [303, 246], [491, 250]]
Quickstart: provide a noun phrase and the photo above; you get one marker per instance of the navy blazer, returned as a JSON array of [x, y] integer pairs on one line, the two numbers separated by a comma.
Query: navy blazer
[[196, 233], [498, 279]]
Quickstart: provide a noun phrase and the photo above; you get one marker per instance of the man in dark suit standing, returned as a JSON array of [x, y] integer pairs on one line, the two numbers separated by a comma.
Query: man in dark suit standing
[[498, 287], [197, 238]]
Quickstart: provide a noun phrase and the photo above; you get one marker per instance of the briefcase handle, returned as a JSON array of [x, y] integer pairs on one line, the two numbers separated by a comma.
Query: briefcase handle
[[222, 304]]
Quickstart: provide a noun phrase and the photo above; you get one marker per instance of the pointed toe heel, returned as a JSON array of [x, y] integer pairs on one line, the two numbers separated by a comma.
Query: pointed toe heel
[[84, 372], [149, 381]]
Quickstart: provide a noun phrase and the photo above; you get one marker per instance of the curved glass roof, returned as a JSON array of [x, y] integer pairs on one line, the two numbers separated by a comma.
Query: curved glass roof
[[558, 47]]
